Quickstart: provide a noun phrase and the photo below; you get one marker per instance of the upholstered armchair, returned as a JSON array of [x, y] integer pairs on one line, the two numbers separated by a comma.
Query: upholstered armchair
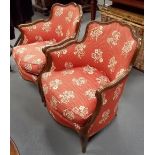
[[62, 26], [83, 81]]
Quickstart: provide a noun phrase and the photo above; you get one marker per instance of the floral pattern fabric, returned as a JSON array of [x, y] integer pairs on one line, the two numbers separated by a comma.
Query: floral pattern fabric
[[29, 56], [79, 50], [105, 47], [109, 108], [103, 56], [74, 94], [96, 32], [68, 15]]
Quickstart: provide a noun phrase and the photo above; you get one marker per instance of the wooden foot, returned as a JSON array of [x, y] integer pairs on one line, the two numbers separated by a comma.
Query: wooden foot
[[41, 92], [11, 70], [93, 9], [44, 104], [84, 142], [43, 100]]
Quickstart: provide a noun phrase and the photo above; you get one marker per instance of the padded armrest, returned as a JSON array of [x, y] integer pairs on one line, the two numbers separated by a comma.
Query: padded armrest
[[33, 32], [60, 55], [116, 81], [110, 93]]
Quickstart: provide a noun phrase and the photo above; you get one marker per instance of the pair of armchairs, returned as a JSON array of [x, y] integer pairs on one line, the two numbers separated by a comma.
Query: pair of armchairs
[[80, 82]]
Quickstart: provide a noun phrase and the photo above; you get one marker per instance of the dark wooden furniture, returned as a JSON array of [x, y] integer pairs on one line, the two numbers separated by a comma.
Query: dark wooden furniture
[[132, 3], [13, 148], [90, 5], [136, 6], [43, 6], [87, 5]]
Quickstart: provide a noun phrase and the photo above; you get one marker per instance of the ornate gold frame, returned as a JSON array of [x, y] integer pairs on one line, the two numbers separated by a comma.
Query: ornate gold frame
[[84, 130]]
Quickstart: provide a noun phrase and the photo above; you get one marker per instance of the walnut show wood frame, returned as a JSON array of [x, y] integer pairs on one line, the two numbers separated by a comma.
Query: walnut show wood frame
[[84, 130]]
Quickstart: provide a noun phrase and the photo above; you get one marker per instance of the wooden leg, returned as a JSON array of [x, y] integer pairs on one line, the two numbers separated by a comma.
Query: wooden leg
[[116, 112], [42, 97], [39, 85], [93, 9], [44, 104], [84, 142], [11, 70]]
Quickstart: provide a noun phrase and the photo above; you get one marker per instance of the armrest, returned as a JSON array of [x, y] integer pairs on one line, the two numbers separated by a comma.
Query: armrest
[[35, 31], [49, 63], [115, 82], [105, 95], [59, 55]]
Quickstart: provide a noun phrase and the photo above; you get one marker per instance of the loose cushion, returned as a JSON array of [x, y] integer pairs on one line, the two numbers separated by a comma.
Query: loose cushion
[[30, 57]]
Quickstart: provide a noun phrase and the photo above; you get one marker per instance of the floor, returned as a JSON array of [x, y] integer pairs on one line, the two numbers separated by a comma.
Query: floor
[[36, 133]]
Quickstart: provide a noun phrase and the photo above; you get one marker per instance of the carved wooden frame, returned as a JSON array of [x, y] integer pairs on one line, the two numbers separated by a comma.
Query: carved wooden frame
[[84, 130]]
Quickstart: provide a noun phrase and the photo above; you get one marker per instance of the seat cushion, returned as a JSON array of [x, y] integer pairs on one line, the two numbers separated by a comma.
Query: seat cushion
[[30, 57], [72, 92]]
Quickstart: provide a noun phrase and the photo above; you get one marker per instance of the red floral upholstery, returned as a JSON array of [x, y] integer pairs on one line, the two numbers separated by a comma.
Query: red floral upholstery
[[108, 48], [71, 92], [83, 81], [109, 110], [102, 57], [28, 55]]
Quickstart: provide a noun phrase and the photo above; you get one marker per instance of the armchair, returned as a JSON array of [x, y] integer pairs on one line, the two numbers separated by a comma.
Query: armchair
[[83, 81], [62, 26]]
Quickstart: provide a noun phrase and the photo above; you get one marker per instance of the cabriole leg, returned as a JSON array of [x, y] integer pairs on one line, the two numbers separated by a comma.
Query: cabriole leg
[[84, 142]]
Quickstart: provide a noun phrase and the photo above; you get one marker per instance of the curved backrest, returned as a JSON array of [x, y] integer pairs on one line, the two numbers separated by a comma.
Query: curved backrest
[[63, 23], [109, 47], [65, 20]]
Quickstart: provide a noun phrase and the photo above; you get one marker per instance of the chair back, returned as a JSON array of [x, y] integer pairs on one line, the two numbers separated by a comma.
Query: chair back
[[109, 47]]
